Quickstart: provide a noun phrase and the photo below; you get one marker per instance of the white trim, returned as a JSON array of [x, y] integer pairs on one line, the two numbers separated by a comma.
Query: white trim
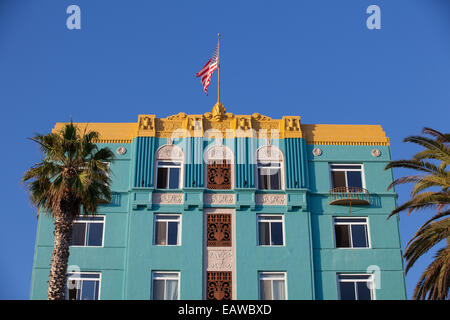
[[369, 279], [85, 231], [363, 179], [270, 232], [178, 278], [366, 223], [180, 177], [177, 156], [77, 277], [284, 277], [279, 159], [179, 220]]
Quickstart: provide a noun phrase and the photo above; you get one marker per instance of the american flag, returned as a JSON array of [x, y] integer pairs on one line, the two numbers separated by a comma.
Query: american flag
[[208, 70]]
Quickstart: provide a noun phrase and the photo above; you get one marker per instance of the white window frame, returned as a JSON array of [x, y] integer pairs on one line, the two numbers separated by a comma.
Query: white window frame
[[263, 158], [179, 220], [261, 275], [259, 166], [180, 177], [366, 223], [158, 275], [363, 179], [370, 279], [80, 220], [77, 276], [260, 218]]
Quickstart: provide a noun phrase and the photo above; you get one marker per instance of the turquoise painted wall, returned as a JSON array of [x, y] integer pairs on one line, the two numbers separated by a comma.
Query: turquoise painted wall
[[385, 245], [128, 257]]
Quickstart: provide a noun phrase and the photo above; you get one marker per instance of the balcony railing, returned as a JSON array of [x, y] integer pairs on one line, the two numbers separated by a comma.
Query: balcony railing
[[349, 196]]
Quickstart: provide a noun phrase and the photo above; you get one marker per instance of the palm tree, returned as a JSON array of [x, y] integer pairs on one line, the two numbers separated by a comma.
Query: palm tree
[[431, 190], [72, 178]]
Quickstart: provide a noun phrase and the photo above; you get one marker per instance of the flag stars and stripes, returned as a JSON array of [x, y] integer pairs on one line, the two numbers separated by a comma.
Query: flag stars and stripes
[[206, 73]]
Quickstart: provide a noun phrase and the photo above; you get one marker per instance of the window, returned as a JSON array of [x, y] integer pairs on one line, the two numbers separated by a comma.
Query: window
[[269, 175], [351, 232], [346, 175], [269, 168], [167, 229], [165, 285], [168, 175], [270, 230], [355, 287], [169, 164], [88, 231], [272, 286], [83, 286]]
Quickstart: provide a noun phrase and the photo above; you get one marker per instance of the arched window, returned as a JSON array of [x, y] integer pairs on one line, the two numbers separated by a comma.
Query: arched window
[[269, 168], [169, 167], [219, 161]]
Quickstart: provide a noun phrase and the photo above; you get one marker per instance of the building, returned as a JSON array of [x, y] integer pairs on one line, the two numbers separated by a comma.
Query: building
[[231, 206]]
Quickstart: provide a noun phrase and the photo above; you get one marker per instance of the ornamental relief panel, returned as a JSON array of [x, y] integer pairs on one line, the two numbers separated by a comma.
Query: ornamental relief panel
[[271, 199], [168, 198], [170, 152], [219, 198], [220, 259]]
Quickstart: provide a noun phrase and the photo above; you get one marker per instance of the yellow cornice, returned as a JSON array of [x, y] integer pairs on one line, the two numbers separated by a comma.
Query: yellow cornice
[[230, 125], [333, 134]]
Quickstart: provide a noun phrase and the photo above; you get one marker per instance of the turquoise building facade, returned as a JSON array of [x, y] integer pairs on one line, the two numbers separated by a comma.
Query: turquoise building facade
[[222, 206]]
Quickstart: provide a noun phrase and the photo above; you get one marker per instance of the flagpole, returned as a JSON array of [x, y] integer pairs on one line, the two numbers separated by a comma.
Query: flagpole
[[218, 71]]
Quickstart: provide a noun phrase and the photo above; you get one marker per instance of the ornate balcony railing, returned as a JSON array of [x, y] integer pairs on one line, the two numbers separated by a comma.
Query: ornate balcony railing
[[349, 196]]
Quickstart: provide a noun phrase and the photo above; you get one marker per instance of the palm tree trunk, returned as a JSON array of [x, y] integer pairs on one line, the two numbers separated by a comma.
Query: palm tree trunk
[[60, 255]]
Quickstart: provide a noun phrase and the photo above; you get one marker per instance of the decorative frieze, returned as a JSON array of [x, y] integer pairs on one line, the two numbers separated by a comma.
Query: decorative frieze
[[168, 198], [271, 199], [219, 198]]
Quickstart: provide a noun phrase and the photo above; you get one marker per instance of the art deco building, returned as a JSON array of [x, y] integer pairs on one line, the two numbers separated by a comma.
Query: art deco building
[[225, 206]]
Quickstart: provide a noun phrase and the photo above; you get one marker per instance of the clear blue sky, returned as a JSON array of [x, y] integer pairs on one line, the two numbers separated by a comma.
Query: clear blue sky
[[312, 58]]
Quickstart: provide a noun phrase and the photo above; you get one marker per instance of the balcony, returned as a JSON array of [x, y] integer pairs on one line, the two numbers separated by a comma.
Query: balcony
[[349, 196]]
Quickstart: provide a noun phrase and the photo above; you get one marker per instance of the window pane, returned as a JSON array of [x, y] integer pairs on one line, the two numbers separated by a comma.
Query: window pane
[[167, 163], [353, 167], [265, 291], [354, 277], [89, 290], [171, 289], [264, 237], [95, 234], [88, 219], [271, 218], [160, 233], [354, 179], [278, 290], [359, 236], [347, 290], [162, 178], [362, 220], [338, 179], [158, 289], [275, 179], [172, 236], [74, 291], [277, 233], [78, 234], [174, 179], [363, 291], [262, 179], [342, 236]]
